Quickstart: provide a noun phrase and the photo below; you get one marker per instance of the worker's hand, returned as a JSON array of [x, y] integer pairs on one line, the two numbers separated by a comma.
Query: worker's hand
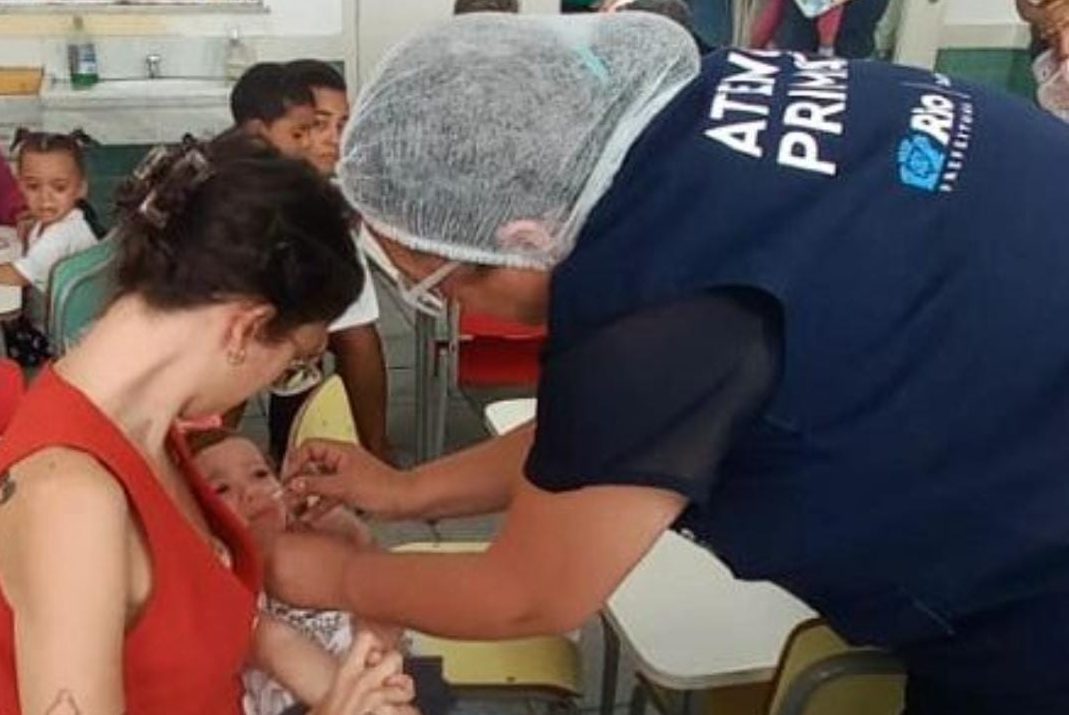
[[369, 682], [1051, 20], [1060, 44], [339, 472]]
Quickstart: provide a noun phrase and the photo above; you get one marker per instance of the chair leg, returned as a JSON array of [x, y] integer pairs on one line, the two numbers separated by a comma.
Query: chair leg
[[689, 704], [424, 336], [610, 668], [638, 700]]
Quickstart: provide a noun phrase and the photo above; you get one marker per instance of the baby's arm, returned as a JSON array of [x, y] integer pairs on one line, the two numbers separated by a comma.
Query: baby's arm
[[317, 678], [300, 665], [11, 277]]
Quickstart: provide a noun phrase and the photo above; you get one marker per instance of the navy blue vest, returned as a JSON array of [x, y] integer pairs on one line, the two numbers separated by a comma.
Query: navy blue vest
[[912, 467]]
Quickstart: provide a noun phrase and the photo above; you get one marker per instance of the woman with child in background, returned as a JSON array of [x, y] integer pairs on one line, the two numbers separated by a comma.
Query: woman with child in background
[[125, 584], [12, 202]]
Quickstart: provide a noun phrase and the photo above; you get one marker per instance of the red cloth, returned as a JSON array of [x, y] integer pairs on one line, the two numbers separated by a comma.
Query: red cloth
[[185, 654], [12, 202], [11, 389]]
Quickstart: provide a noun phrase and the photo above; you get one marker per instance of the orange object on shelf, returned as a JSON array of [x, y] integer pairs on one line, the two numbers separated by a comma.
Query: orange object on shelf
[[20, 80]]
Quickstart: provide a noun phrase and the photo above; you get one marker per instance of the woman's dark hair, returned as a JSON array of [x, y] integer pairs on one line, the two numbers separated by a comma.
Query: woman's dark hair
[[204, 223]]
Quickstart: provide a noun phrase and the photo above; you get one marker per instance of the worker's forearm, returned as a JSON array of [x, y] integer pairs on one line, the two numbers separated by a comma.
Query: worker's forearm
[[478, 480], [468, 596]]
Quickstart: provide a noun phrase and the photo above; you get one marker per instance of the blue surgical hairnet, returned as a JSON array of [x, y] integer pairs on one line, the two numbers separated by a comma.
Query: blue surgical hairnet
[[491, 119]]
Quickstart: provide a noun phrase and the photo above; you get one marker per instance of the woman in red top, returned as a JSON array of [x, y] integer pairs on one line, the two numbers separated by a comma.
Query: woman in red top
[[12, 203], [125, 585]]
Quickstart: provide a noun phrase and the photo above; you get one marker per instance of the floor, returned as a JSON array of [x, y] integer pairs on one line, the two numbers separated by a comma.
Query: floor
[[464, 427]]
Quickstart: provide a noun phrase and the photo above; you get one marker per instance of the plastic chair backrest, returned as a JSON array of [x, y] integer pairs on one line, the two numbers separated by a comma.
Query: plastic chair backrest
[[11, 390], [324, 415], [79, 289], [819, 674], [540, 664], [494, 352]]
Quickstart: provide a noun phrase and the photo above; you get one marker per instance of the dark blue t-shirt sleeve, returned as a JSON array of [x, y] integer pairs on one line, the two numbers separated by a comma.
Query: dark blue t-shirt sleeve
[[656, 398]]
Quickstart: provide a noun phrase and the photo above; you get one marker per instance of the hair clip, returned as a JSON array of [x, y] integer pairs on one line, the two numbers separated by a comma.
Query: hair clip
[[190, 171], [150, 163], [196, 165], [151, 213]]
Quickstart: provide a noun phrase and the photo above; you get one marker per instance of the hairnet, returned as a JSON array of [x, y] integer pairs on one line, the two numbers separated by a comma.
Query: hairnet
[[490, 119]]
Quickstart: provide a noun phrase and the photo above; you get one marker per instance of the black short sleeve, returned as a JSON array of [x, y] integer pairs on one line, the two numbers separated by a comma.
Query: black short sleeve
[[655, 398]]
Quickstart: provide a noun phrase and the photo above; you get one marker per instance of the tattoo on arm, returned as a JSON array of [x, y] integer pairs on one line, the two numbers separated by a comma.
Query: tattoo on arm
[[7, 488], [63, 705]]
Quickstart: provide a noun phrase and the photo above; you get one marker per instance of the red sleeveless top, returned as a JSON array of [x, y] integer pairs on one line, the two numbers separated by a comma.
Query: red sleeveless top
[[185, 653]]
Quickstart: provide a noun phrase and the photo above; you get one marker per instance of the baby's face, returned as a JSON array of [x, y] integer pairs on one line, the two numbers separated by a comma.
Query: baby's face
[[240, 475]]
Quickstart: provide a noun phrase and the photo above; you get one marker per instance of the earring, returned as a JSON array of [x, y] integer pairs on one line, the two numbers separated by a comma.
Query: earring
[[235, 357]]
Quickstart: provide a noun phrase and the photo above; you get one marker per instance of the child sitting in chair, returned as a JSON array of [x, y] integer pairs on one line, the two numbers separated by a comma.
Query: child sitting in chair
[[52, 176], [241, 476]]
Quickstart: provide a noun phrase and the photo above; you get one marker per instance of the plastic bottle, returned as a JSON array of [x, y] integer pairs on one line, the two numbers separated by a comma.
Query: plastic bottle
[[238, 58], [81, 56]]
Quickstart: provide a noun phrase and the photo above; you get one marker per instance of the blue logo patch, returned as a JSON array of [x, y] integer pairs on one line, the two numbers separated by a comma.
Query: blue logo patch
[[920, 162]]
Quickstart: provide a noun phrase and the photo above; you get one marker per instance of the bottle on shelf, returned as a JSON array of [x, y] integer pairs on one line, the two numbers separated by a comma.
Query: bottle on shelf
[[238, 58], [81, 56]]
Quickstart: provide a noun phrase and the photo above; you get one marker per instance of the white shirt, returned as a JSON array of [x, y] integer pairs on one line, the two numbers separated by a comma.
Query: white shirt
[[365, 309], [49, 245]]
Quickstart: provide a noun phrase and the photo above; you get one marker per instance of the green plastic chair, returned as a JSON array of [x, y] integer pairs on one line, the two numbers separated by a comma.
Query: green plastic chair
[[79, 289]]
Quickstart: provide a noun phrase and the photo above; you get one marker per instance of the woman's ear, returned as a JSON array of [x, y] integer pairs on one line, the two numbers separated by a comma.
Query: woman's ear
[[527, 236], [248, 323]]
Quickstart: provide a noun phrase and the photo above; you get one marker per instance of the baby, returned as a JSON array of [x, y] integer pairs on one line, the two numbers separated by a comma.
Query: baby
[[240, 475], [52, 177], [304, 646]]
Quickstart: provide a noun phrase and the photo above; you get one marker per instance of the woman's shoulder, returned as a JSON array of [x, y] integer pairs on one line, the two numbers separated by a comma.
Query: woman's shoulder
[[56, 478], [63, 527]]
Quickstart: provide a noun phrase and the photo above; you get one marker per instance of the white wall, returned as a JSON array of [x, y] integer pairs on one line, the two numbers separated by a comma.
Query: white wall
[[384, 22], [983, 24], [981, 11], [191, 44]]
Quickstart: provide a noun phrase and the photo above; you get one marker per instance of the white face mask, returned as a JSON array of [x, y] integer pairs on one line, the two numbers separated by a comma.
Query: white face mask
[[422, 296]]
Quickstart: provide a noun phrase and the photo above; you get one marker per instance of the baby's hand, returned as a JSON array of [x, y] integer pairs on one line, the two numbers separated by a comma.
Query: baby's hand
[[391, 636], [369, 682]]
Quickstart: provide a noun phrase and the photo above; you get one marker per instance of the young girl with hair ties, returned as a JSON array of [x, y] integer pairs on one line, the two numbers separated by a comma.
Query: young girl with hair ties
[[52, 177]]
